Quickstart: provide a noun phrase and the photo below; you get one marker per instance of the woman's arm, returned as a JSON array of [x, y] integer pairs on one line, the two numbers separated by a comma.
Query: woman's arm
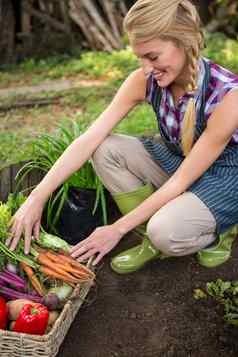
[[221, 125], [27, 219]]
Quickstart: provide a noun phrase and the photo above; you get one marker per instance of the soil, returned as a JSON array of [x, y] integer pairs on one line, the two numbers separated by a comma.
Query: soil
[[153, 313]]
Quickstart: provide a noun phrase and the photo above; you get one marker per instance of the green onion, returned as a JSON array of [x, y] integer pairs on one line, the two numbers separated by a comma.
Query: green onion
[[16, 256]]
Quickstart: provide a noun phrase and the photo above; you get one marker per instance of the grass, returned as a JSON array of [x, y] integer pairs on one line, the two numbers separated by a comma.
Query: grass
[[86, 65], [18, 128]]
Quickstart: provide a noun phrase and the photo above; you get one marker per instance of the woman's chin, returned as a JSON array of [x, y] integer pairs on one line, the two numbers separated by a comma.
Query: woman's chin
[[163, 83]]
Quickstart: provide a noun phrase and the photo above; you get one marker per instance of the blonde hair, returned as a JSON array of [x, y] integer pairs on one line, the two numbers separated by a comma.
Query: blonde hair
[[178, 21]]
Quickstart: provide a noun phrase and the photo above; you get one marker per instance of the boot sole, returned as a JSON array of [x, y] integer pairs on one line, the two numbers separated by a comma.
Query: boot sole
[[126, 271], [211, 261]]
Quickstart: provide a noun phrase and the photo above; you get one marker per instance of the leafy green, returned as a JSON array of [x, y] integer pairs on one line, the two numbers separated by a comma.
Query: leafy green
[[6, 210], [226, 293], [199, 294], [5, 217], [218, 289], [47, 149], [14, 201]]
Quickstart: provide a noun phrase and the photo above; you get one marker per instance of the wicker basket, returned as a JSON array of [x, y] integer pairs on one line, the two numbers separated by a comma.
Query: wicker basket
[[14, 344]]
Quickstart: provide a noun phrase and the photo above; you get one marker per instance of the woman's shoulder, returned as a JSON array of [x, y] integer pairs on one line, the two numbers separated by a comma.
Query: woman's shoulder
[[221, 75], [222, 81]]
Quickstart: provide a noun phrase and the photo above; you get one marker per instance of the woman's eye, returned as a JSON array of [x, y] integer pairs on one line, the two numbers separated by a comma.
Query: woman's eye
[[153, 58]]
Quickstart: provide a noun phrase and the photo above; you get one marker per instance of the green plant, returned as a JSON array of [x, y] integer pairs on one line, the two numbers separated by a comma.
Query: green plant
[[226, 293], [47, 149]]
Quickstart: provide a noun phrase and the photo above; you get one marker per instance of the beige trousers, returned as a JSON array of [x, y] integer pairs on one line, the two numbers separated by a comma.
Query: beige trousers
[[184, 225]]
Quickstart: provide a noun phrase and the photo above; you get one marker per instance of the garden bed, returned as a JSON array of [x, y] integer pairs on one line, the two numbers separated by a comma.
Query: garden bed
[[152, 313]]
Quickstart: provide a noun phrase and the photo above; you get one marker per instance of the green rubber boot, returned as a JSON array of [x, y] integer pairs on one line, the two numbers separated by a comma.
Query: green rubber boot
[[220, 252], [127, 201], [135, 258]]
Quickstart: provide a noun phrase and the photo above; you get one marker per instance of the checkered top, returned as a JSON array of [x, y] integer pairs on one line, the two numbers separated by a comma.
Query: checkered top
[[171, 116]]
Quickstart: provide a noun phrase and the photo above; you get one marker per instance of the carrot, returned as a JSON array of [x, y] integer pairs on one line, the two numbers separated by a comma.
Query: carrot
[[43, 260], [33, 278], [68, 266], [52, 256], [53, 274], [80, 275], [76, 264]]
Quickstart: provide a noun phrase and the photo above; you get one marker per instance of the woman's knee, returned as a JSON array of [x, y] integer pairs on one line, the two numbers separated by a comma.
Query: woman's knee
[[161, 232]]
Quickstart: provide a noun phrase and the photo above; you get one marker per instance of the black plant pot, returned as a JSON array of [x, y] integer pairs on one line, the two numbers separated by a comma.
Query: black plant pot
[[76, 220]]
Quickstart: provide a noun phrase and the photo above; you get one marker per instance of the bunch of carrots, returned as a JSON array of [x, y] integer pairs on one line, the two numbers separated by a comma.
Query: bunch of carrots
[[58, 266]]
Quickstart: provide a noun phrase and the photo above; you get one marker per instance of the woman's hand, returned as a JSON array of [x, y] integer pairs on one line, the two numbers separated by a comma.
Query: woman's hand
[[99, 243], [26, 221]]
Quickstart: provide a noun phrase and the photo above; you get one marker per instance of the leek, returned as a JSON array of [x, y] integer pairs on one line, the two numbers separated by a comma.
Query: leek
[[49, 241]]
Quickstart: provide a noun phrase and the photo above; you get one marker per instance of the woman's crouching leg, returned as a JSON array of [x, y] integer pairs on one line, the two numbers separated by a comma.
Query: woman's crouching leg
[[183, 226], [124, 165]]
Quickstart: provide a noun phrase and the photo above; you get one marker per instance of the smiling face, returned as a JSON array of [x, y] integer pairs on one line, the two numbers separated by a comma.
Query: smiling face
[[164, 59]]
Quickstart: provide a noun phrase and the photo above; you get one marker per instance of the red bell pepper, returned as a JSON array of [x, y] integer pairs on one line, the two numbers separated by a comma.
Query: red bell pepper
[[3, 313], [32, 319]]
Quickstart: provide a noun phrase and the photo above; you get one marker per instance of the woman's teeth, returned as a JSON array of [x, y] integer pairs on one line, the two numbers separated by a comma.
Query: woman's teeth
[[159, 74]]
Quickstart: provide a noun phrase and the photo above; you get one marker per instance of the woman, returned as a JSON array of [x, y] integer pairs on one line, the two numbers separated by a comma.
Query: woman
[[184, 185]]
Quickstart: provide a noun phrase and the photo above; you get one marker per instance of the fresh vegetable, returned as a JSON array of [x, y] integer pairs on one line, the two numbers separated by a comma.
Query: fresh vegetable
[[33, 279], [60, 266], [13, 279], [12, 294], [15, 307], [66, 264], [13, 255], [33, 319], [50, 241], [53, 316], [5, 252], [63, 292], [11, 268], [14, 201], [14, 276], [2, 283], [53, 274], [51, 300], [5, 217], [3, 313], [74, 263]]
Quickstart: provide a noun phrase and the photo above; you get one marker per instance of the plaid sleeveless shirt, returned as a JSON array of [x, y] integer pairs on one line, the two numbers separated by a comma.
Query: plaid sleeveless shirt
[[218, 186]]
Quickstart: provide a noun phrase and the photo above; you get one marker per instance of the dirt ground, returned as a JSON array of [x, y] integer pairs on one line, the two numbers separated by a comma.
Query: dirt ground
[[153, 313]]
